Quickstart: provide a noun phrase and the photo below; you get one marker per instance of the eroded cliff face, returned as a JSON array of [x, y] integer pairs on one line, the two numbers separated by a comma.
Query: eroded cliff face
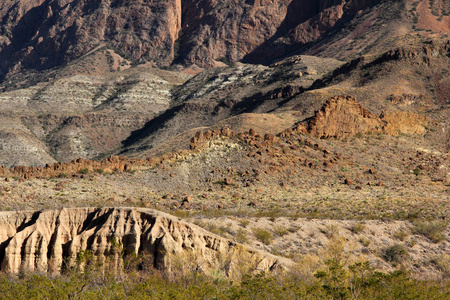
[[45, 33], [46, 241]]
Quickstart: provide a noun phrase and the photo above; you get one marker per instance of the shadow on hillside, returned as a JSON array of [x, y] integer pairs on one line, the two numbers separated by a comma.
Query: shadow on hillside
[[151, 126]]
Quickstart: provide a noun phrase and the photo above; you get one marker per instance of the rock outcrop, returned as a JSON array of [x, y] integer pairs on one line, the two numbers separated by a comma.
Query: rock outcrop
[[47, 241], [201, 137], [342, 117], [404, 122], [113, 163]]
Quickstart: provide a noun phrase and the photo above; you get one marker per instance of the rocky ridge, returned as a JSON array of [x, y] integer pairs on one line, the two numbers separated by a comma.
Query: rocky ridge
[[340, 117]]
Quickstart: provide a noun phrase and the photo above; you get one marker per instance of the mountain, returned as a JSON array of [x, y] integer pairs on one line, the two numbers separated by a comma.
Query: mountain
[[46, 33], [83, 78]]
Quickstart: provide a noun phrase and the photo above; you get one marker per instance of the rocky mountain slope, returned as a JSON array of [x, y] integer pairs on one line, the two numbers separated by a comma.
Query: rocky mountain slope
[[80, 115], [71, 86], [43, 34], [39, 122], [400, 81]]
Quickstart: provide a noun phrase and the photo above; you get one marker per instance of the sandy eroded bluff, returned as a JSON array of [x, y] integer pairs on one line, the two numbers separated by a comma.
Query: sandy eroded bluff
[[43, 240]]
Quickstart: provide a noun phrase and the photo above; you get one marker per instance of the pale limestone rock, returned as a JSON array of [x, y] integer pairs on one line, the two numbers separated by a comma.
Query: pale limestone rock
[[42, 240]]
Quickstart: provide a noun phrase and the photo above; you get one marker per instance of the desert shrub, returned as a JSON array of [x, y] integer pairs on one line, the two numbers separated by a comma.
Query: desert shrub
[[216, 229], [241, 236], [443, 264], [334, 280], [263, 235], [364, 241], [401, 234], [83, 170], [335, 249], [395, 253], [244, 223], [357, 227], [132, 171], [417, 171], [433, 230], [272, 213], [358, 281], [280, 230], [293, 228], [330, 230], [228, 229], [183, 214]]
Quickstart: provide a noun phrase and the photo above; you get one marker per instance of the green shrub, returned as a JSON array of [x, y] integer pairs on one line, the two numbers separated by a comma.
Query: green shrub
[[330, 230], [244, 223], [83, 171], [364, 241], [263, 235], [443, 264], [241, 236], [395, 253], [137, 279], [280, 230], [334, 280]]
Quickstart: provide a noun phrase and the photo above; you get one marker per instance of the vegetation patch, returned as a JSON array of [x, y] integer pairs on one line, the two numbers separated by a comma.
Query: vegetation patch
[[357, 227], [263, 235], [395, 253], [83, 171], [433, 230]]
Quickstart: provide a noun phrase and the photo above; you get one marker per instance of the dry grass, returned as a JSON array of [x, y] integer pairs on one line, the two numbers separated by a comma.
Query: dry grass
[[433, 230]]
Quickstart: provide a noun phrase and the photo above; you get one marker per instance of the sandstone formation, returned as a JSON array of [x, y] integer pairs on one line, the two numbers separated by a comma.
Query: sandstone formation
[[342, 117], [47, 241], [404, 122]]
